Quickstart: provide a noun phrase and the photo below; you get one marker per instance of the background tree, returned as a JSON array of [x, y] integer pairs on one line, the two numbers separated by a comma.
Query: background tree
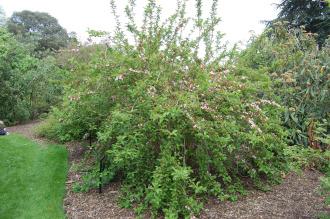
[[38, 28], [14, 62], [73, 39], [28, 86], [2, 17], [313, 14]]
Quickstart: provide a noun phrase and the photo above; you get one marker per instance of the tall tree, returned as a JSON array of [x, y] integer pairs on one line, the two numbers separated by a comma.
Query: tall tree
[[39, 28], [314, 15]]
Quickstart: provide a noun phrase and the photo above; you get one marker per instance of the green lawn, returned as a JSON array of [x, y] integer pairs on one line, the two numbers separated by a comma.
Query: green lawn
[[32, 178]]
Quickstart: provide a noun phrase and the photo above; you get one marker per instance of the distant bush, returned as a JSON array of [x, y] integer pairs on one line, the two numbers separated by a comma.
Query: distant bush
[[28, 86], [300, 73], [307, 158], [51, 129], [14, 61], [174, 126], [325, 190]]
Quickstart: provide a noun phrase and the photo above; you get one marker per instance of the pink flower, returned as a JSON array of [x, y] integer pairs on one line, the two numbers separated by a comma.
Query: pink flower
[[119, 77], [204, 106]]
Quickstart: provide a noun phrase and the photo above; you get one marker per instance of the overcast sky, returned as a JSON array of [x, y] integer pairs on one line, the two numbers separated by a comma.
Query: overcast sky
[[239, 17]]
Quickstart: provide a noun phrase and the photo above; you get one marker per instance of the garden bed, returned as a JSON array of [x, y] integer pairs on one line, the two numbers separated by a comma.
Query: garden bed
[[297, 197]]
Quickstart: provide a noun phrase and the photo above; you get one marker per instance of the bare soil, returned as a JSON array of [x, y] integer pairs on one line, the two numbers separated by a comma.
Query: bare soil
[[297, 197]]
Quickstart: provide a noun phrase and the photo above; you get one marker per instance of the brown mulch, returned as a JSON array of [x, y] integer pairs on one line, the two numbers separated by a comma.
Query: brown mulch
[[91, 204], [297, 197], [27, 130]]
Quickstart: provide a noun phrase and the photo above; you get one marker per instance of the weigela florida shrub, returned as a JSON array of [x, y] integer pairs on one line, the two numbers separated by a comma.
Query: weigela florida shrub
[[175, 127]]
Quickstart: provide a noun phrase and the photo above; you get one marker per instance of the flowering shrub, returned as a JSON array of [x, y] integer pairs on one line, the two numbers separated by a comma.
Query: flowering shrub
[[173, 126]]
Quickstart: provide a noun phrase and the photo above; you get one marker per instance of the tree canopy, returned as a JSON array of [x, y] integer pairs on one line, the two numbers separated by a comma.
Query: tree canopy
[[314, 15], [38, 28]]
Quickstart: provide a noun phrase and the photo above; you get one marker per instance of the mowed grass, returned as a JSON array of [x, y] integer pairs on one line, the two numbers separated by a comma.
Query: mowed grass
[[32, 178]]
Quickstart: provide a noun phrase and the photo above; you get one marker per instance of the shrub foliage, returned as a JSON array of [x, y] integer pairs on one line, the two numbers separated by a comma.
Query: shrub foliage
[[176, 127], [301, 78], [28, 86]]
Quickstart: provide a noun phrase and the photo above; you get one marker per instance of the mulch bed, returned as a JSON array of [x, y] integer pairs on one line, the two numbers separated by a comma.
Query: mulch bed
[[297, 197], [27, 130]]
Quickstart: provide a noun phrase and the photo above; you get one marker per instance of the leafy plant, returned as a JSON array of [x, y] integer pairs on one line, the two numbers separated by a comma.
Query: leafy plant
[[40, 30], [301, 77], [303, 158], [325, 190], [313, 15], [28, 86], [174, 126]]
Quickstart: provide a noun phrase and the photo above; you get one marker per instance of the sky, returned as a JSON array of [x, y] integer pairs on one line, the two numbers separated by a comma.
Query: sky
[[239, 17]]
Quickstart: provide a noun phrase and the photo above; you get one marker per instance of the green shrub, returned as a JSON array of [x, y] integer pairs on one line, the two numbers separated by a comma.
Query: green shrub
[[28, 86], [325, 190], [175, 127], [51, 129], [325, 185], [300, 73], [302, 158], [14, 61]]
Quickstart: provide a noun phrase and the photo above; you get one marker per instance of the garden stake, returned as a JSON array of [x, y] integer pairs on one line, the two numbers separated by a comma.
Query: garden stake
[[100, 171]]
